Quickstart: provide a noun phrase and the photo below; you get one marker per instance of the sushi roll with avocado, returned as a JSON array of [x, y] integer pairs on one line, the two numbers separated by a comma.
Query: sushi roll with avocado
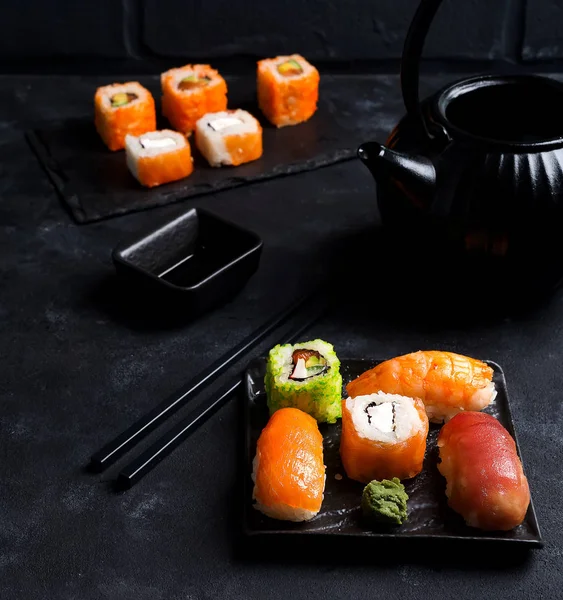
[[189, 92], [288, 89], [305, 376], [122, 109]]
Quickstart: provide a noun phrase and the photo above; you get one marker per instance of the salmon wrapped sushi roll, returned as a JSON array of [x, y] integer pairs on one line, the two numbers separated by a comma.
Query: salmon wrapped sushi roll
[[231, 137], [190, 92], [288, 89], [383, 436], [446, 382], [121, 109], [288, 469], [485, 479], [158, 157]]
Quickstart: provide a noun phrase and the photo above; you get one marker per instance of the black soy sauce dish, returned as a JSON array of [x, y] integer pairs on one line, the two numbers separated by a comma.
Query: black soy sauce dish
[[193, 263]]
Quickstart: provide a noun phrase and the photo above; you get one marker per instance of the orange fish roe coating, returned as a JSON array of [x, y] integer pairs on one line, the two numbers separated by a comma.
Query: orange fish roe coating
[[233, 144], [183, 107], [244, 148], [134, 116], [155, 167], [287, 96], [156, 170]]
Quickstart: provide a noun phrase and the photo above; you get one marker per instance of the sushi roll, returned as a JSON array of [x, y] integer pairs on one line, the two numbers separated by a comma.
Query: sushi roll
[[288, 470], [305, 376], [190, 92], [485, 481], [288, 89], [121, 109], [231, 137], [383, 436], [158, 157], [446, 382]]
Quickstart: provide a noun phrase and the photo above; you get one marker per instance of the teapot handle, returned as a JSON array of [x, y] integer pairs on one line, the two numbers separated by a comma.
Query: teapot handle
[[410, 61]]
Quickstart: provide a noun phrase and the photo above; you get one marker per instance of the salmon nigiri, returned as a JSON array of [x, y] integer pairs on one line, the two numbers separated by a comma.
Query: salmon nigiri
[[486, 484], [288, 470], [447, 383]]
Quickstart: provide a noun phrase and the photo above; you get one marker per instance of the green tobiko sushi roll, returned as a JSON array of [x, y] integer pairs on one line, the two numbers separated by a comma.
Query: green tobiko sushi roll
[[305, 376]]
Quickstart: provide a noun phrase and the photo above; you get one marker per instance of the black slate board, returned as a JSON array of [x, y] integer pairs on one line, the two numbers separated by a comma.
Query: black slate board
[[95, 183], [429, 517]]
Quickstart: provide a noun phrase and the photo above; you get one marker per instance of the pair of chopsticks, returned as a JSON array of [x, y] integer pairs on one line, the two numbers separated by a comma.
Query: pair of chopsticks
[[302, 313]]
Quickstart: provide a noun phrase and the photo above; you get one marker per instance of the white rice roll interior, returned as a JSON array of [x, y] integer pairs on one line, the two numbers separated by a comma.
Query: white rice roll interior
[[286, 356], [152, 143], [213, 128], [109, 91], [385, 417], [181, 73], [272, 64]]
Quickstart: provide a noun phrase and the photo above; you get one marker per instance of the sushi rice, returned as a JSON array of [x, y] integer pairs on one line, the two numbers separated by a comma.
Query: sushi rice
[[384, 417]]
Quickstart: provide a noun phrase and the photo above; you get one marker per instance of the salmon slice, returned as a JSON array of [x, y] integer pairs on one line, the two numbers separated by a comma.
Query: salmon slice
[[288, 469]]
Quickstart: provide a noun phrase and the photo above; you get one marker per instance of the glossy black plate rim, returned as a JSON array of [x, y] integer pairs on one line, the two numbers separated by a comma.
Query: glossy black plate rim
[[273, 533]]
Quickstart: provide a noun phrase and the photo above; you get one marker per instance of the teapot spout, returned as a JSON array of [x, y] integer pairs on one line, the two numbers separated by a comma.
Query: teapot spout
[[416, 173]]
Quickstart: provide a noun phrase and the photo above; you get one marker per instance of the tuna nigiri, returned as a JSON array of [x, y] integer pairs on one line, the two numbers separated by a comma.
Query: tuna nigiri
[[447, 383], [288, 470], [485, 480], [383, 436]]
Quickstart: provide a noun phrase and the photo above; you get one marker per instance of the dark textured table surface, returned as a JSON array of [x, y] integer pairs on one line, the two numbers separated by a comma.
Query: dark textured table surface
[[78, 364]]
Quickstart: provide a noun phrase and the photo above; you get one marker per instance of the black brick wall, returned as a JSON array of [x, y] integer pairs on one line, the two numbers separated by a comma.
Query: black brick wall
[[136, 32], [36, 29], [319, 29], [543, 37]]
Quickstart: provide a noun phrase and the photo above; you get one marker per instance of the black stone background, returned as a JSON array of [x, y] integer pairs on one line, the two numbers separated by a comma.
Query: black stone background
[[79, 361]]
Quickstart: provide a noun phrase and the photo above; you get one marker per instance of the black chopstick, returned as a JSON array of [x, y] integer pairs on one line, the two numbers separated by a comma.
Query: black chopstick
[[113, 450], [145, 462]]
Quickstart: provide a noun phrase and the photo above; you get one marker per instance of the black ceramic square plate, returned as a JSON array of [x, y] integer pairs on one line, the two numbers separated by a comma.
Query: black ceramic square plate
[[429, 517]]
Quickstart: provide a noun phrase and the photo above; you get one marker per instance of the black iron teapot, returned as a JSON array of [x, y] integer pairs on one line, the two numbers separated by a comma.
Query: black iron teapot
[[474, 174]]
